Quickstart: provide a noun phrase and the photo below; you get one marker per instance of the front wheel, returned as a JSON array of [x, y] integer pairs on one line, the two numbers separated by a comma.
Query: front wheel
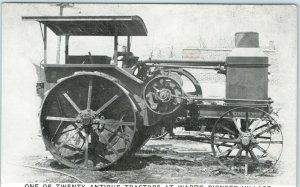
[[247, 140]]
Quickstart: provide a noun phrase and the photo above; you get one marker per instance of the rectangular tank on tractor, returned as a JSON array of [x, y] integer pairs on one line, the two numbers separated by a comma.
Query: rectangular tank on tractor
[[247, 69]]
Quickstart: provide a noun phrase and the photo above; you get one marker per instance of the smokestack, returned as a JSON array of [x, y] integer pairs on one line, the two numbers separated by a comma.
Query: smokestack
[[246, 40]]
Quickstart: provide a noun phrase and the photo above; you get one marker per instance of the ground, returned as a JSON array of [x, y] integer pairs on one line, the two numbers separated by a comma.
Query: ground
[[159, 161]]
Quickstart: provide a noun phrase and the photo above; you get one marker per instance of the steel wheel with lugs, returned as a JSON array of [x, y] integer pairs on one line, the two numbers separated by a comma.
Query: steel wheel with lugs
[[247, 141], [88, 121]]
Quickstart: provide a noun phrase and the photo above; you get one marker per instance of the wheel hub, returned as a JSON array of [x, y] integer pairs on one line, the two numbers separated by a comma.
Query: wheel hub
[[87, 117], [164, 95], [246, 139]]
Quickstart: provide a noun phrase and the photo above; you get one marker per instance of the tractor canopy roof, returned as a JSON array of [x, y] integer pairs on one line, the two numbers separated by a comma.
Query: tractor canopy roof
[[93, 25]]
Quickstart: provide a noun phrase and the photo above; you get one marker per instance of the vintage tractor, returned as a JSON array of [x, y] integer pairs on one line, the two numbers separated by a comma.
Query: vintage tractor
[[97, 110]]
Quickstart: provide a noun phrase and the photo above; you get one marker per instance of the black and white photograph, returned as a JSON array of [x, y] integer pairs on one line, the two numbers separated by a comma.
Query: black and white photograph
[[160, 95]]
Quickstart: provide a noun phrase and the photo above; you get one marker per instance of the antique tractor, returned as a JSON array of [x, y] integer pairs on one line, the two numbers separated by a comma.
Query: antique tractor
[[97, 109]]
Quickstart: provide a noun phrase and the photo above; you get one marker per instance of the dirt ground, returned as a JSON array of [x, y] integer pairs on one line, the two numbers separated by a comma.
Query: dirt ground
[[159, 161]]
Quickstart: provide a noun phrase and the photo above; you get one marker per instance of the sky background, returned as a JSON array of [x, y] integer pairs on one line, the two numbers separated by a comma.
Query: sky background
[[179, 26]]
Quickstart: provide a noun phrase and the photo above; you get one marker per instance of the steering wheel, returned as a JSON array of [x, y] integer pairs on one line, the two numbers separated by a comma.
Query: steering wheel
[[91, 58], [88, 59]]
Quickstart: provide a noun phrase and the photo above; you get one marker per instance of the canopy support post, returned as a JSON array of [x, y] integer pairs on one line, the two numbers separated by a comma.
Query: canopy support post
[[67, 49], [45, 44], [128, 44], [116, 50]]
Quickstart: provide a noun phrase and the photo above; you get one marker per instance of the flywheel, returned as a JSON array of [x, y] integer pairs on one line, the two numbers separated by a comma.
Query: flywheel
[[163, 95]]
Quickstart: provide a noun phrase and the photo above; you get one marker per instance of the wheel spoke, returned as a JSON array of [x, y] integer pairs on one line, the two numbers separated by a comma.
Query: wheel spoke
[[107, 104], [257, 123], [61, 122], [52, 118], [72, 102], [266, 130], [237, 122], [114, 122], [228, 130], [224, 153], [59, 105], [253, 156], [265, 152], [218, 147], [223, 145], [227, 140], [262, 126], [246, 163], [89, 99], [251, 121], [86, 150], [64, 132], [227, 152], [270, 142], [238, 155], [264, 137]]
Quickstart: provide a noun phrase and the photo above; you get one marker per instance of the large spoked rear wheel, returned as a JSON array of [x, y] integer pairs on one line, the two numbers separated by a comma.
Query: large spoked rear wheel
[[247, 141], [88, 121]]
